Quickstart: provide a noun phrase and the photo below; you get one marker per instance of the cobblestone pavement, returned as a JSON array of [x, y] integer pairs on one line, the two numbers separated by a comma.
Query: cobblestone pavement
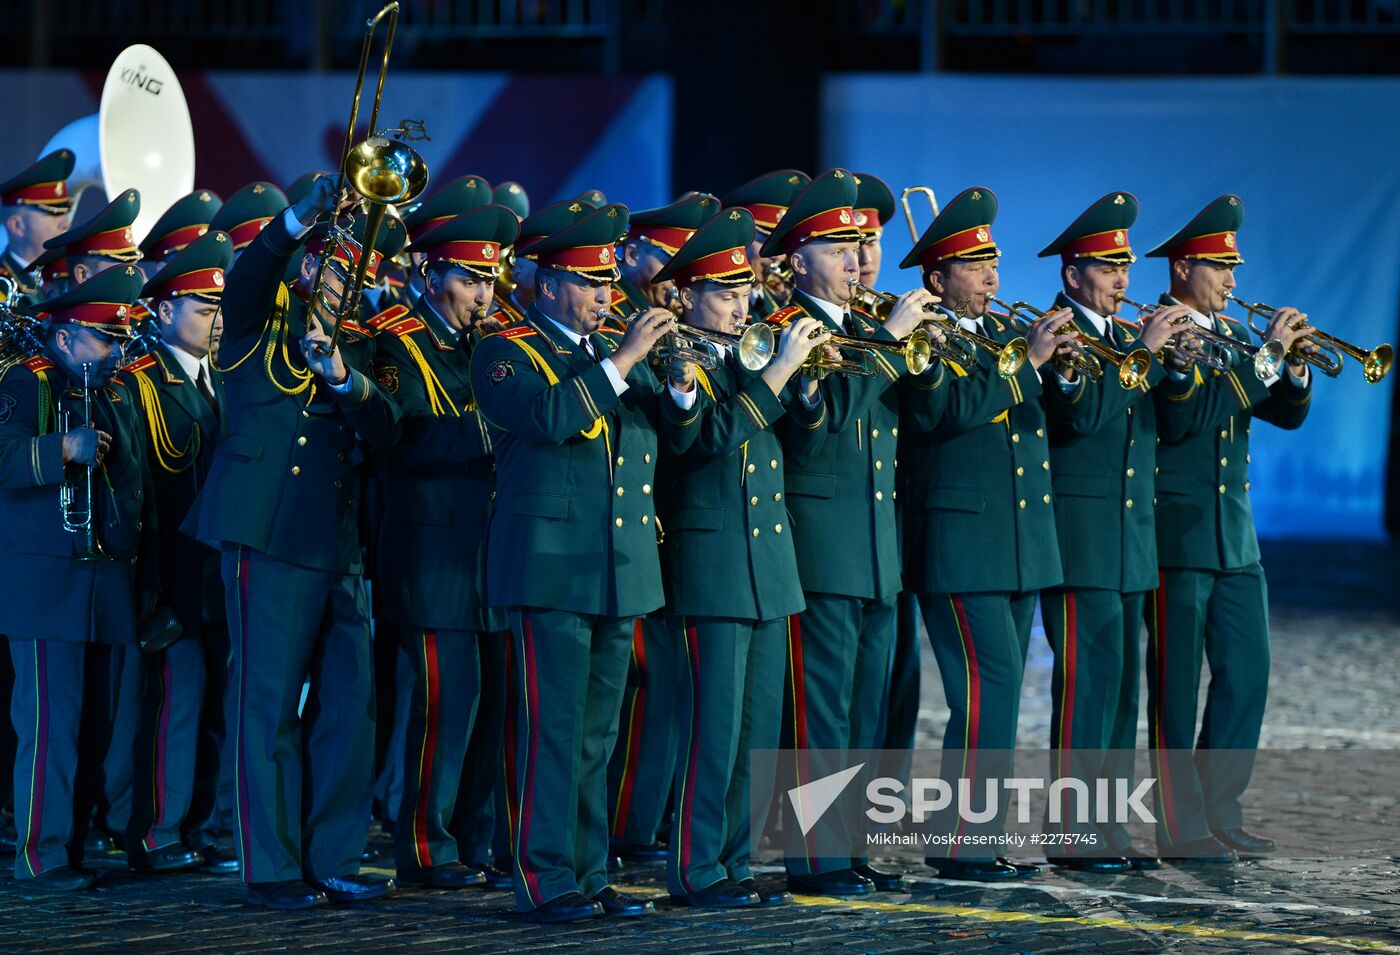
[[1334, 676]]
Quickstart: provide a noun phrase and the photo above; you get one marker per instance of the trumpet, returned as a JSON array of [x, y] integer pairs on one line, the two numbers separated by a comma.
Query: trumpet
[[1088, 354], [755, 345], [957, 347], [1266, 359], [382, 171], [21, 335], [1009, 356], [1375, 364], [74, 498], [819, 365]]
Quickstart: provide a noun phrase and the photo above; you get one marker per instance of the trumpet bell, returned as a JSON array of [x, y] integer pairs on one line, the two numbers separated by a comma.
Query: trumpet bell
[[385, 171], [918, 351], [756, 347], [1134, 367], [1376, 364], [1012, 357]]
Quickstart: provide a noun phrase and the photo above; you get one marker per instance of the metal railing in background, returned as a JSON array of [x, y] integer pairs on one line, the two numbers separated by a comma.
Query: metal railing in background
[[1342, 16]]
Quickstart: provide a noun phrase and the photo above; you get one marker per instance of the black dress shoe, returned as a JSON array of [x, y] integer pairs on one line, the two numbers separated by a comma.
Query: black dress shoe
[[1242, 840], [219, 861], [884, 881], [766, 896], [171, 858], [843, 882], [369, 855], [99, 841], [498, 878], [449, 875], [639, 852], [569, 907], [620, 905], [352, 888], [63, 878], [1100, 865], [284, 896], [974, 870], [1201, 850], [7, 836], [1024, 870], [724, 894]]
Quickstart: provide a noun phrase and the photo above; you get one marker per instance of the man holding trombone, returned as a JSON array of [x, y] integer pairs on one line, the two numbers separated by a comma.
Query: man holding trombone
[[1211, 596]]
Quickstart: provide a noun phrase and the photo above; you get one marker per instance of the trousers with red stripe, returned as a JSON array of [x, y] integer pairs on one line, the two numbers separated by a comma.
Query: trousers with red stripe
[[451, 714], [838, 674], [642, 764], [167, 743], [1222, 617], [1093, 635], [302, 773], [980, 643], [570, 670], [726, 707]]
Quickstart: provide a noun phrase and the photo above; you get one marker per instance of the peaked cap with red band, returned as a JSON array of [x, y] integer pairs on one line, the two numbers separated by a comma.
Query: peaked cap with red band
[[459, 196], [585, 247], [717, 252], [197, 270], [43, 185], [1100, 232], [1210, 236], [181, 224], [107, 234], [474, 240], [821, 212], [555, 217], [874, 204], [669, 227], [102, 303], [769, 196], [245, 213], [963, 230]]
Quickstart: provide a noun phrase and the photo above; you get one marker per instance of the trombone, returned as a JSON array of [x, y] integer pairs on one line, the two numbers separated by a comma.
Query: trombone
[[1267, 358], [382, 171], [1375, 364], [1088, 355], [909, 215]]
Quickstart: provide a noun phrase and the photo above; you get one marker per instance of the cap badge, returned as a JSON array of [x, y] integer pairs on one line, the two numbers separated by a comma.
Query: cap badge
[[471, 183], [737, 256], [734, 216], [1119, 238], [121, 311], [976, 194], [219, 279], [1229, 240], [605, 255], [845, 217], [1234, 201], [203, 229], [259, 189], [1118, 200], [779, 214], [131, 270], [513, 189], [58, 188], [982, 234], [204, 197], [487, 252], [575, 207], [131, 196], [220, 237], [612, 213], [861, 218], [838, 174]]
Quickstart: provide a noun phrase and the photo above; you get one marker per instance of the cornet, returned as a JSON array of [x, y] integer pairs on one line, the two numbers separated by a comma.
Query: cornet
[[1267, 359], [1087, 354], [956, 348], [74, 497], [1009, 357], [1375, 364]]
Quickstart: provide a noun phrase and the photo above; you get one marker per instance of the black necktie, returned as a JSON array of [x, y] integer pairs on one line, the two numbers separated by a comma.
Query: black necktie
[[202, 383], [589, 347]]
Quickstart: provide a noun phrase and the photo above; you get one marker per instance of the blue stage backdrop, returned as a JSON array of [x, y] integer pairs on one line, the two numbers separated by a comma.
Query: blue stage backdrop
[[1314, 161]]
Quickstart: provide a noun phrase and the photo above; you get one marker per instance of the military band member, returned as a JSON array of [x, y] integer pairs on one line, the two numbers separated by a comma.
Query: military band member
[[571, 552], [767, 198], [730, 569], [643, 762], [178, 226], [978, 466], [245, 213], [513, 196], [98, 244], [64, 593], [1103, 450], [1211, 596], [294, 421], [437, 483], [841, 497], [459, 196], [36, 207], [181, 733], [548, 220]]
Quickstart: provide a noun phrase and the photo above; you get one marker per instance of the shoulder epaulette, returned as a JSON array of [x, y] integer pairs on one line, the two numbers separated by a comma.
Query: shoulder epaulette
[[869, 316], [510, 313], [404, 326], [619, 297], [1232, 321], [356, 329], [39, 363], [519, 331], [784, 315], [391, 314], [140, 364], [1127, 323], [618, 329]]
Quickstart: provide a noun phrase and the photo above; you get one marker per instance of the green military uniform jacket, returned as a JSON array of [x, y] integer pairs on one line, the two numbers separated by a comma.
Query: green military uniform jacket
[[979, 515], [1103, 454], [285, 479], [45, 593], [181, 431], [436, 481], [841, 490], [729, 548], [575, 522], [1204, 519]]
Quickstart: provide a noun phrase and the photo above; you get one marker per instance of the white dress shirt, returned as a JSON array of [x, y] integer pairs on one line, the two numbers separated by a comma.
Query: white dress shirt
[[618, 382], [189, 364]]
